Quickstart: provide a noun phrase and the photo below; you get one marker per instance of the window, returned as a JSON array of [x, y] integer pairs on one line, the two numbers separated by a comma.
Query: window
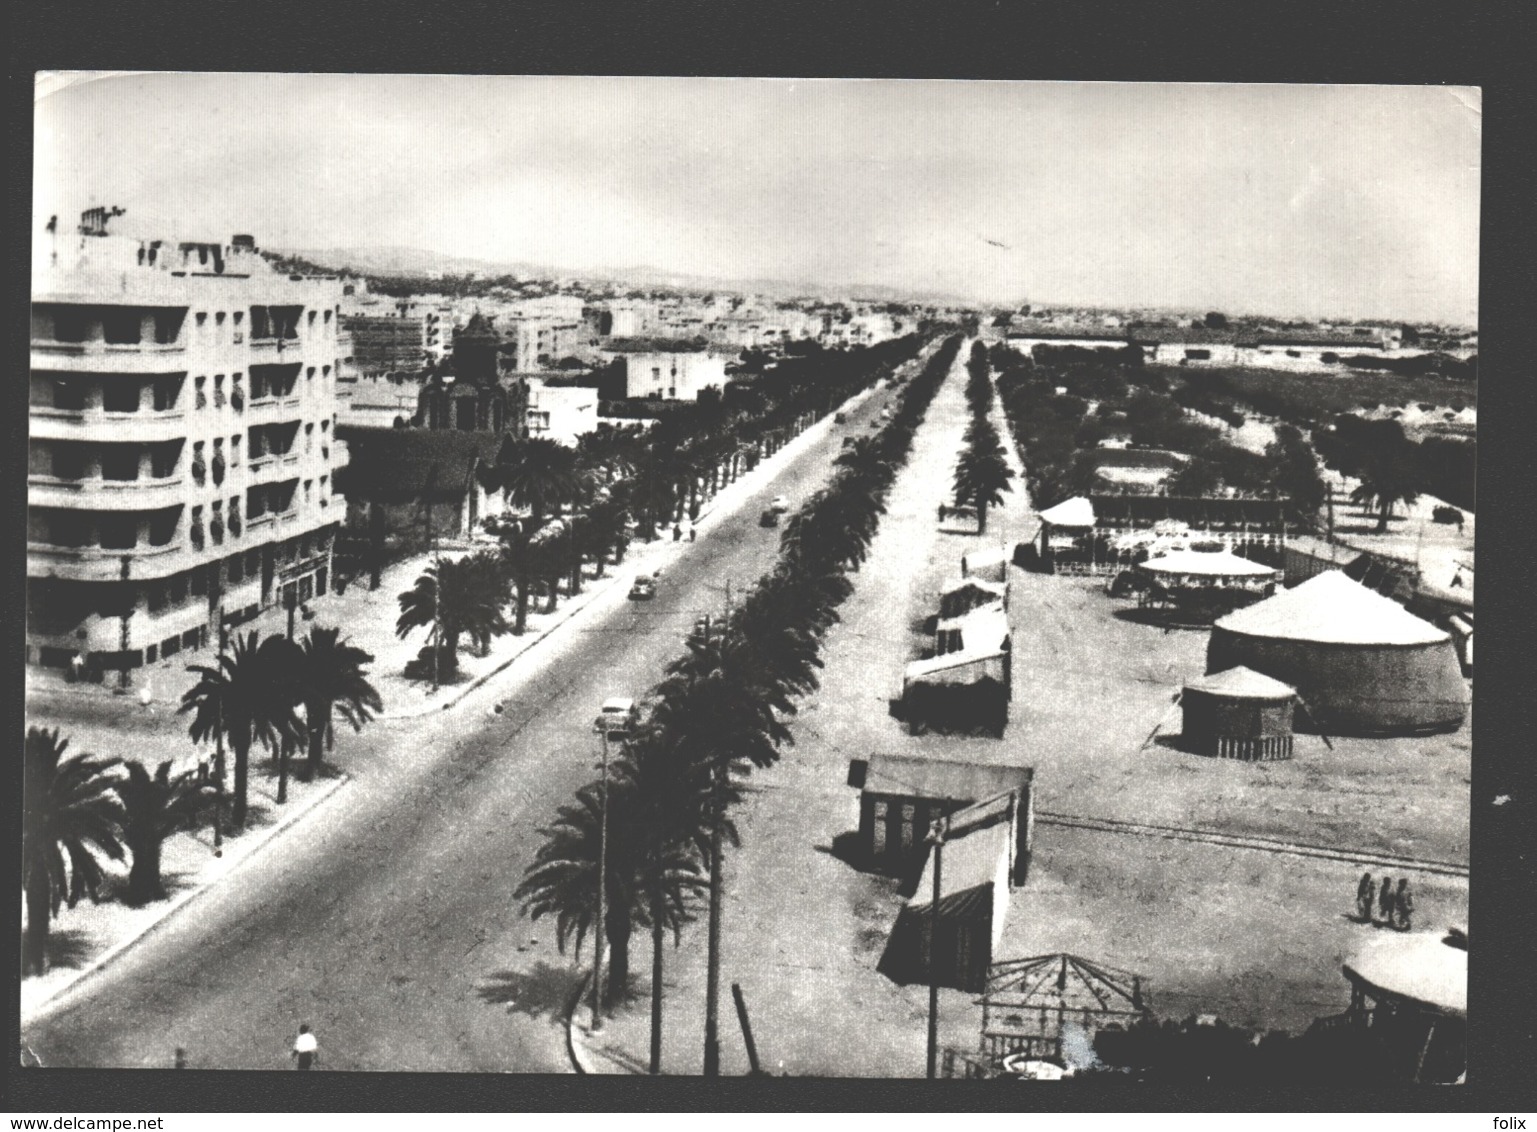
[[199, 466], [1198, 355], [162, 526], [198, 584], [325, 371], [909, 813], [218, 391], [218, 461], [878, 839], [202, 317], [200, 384], [68, 461], [118, 532], [156, 597], [239, 317], [308, 484], [70, 325], [166, 392], [324, 488], [309, 374], [119, 462], [218, 318], [234, 451], [311, 318], [309, 437], [120, 396], [68, 393], [163, 459], [328, 316], [196, 528], [122, 327], [168, 326], [236, 563], [178, 589], [325, 427]]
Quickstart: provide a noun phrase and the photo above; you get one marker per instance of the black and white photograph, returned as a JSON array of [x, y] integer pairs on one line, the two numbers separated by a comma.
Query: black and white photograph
[[724, 577]]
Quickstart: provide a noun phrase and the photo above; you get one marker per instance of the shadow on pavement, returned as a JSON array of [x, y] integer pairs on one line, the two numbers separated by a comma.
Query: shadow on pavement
[[68, 948], [544, 992]]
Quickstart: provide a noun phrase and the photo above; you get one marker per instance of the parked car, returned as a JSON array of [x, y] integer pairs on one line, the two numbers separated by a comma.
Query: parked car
[[840, 418], [780, 504], [769, 518], [644, 588], [617, 717]]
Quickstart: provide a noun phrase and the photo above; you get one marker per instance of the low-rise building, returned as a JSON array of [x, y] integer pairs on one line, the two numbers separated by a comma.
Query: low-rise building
[[563, 413], [668, 371]]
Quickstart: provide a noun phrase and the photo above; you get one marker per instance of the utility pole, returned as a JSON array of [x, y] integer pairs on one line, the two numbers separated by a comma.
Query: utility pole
[[597, 952], [712, 980], [936, 838]]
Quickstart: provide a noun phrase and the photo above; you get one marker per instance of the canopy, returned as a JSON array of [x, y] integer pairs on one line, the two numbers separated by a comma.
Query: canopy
[[1074, 512], [1242, 683], [956, 585], [1331, 608], [991, 557], [969, 666], [1417, 966], [1209, 563], [986, 627]]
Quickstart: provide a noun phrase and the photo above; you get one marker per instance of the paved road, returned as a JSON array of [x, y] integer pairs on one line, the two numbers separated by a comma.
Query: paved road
[[386, 920]]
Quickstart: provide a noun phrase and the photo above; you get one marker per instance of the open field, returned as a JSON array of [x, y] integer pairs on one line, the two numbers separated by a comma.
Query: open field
[[1310, 395]]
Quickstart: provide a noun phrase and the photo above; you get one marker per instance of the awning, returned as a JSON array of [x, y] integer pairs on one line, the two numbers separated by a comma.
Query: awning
[[1074, 512]]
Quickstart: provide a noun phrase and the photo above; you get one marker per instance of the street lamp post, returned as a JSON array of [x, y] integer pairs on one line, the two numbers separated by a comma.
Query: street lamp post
[[936, 838], [597, 952], [218, 759]]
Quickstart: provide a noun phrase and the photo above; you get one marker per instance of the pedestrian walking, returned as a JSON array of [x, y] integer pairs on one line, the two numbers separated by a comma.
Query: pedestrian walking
[[693, 532], [1366, 896], [677, 533], [147, 696], [305, 1048], [1385, 902], [1403, 906], [77, 667], [941, 512]]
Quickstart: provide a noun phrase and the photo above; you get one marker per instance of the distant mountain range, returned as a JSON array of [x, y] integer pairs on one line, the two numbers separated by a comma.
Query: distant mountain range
[[407, 261]]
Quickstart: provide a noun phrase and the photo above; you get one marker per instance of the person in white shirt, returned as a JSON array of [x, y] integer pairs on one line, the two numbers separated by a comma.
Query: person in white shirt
[[305, 1048]]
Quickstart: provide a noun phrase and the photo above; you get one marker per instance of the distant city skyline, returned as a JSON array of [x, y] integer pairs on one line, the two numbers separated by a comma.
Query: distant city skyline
[[1289, 201]]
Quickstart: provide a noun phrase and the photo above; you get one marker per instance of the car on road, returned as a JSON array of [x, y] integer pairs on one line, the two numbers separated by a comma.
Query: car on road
[[769, 518], [617, 717], [644, 588], [780, 505], [840, 418]]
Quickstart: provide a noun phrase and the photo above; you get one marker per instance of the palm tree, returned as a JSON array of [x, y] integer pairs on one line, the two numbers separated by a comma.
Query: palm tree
[[539, 474], [645, 877], [70, 812], [153, 809], [239, 698], [982, 475], [335, 682], [284, 664], [456, 597]]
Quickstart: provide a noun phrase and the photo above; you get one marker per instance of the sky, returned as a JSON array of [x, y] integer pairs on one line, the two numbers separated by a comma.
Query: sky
[[1312, 201]]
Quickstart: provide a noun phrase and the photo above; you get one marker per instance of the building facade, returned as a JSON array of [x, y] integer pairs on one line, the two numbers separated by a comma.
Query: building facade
[[563, 413], [182, 404], [672, 376]]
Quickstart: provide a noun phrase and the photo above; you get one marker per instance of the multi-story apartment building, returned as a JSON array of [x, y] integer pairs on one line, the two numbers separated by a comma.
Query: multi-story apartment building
[[387, 342], [183, 411]]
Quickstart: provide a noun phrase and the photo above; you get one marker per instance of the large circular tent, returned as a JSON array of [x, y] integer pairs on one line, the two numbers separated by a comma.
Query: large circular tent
[[1362, 664], [1239, 714]]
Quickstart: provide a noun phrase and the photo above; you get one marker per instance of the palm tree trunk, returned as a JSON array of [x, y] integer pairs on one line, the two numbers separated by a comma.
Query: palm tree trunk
[[522, 625], [144, 876], [1384, 515], [617, 926], [39, 915], [658, 935], [375, 544], [319, 710], [285, 745], [981, 517], [242, 778]]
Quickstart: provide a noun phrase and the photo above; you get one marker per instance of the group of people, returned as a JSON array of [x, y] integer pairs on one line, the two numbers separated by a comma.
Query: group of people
[[1384, 904], [677, 532]]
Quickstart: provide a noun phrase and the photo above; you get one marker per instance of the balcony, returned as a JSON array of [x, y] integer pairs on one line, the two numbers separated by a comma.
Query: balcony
[[103, 357], [98, 564], [98, 494], [277, 345], [262, 410], [47, 423]]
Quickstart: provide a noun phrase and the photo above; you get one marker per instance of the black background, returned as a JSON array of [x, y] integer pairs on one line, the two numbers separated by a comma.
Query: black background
[[1237, 41]]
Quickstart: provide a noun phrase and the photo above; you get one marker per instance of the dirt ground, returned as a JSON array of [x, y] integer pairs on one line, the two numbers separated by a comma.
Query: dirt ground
[[1254, 937]]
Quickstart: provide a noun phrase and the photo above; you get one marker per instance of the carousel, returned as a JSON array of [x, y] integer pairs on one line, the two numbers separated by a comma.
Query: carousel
[[1204, 581]]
